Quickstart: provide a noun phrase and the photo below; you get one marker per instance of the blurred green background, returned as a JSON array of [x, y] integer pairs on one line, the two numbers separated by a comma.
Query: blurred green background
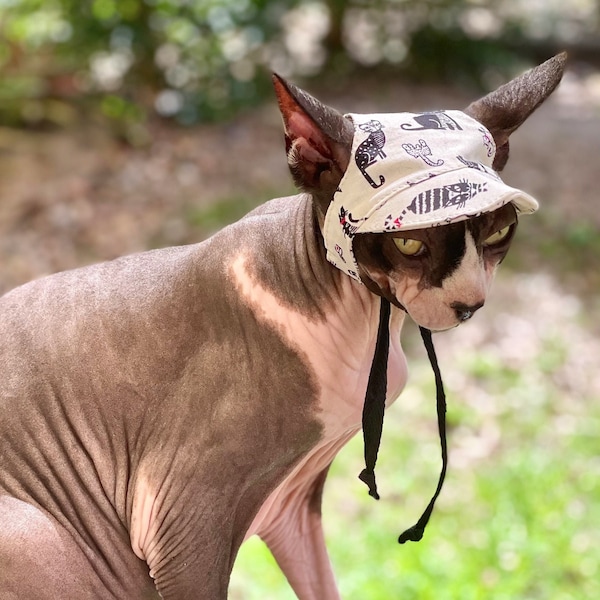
[[127, 125], [201, 60]]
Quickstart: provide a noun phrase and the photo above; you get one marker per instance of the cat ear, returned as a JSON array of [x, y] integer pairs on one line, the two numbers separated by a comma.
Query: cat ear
[[505, 109], [318, 141]]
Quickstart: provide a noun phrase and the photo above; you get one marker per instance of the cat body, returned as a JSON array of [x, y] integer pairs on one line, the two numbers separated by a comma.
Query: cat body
[[158, 409]]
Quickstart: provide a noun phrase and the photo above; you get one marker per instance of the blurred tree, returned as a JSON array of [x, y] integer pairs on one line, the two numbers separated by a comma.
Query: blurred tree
[[191, 60], [194, 60]]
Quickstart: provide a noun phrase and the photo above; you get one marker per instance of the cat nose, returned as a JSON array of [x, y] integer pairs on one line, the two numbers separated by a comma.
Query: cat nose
[[463, 311]]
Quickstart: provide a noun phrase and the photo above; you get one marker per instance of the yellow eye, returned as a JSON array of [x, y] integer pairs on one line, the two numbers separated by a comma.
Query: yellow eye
[[497, 237], [408, 247]]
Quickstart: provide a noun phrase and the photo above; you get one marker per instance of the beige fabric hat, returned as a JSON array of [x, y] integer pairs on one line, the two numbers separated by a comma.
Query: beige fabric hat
[[413, 171]]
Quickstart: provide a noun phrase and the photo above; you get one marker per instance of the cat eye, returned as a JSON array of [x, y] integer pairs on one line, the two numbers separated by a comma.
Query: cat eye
[[409, 247], [497, 237]]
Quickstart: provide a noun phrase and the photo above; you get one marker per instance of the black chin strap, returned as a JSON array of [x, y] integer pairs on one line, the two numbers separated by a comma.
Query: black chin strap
[[374, 407], [415, 533], [373, 411]]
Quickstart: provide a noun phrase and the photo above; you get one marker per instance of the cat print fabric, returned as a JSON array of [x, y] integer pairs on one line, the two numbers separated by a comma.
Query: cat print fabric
[[423, 151], [431, 120], [371, 149], [455, 194], [412, 171]]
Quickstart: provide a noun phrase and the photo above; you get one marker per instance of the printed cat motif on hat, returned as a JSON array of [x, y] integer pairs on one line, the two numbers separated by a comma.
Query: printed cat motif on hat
[[438, 119], [370, 150], [423, 151], [348, 223], [455, 194]]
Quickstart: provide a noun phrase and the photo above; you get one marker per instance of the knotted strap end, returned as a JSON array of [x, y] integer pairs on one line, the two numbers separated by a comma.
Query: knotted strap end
[[413, 534], [368, 477]]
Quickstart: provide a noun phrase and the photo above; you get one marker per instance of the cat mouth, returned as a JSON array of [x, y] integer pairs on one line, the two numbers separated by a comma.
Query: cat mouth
[[438, 327], [442, 329], [446, 318]]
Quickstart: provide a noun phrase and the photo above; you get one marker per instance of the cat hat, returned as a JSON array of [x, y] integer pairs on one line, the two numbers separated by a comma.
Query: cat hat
[[414, 171]]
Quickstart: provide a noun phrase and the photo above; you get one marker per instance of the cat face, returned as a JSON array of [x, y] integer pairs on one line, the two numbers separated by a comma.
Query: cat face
[[440, 275]]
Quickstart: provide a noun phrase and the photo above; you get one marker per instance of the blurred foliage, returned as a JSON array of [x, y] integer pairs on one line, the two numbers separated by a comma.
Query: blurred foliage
[[190, 60], [200, 60]]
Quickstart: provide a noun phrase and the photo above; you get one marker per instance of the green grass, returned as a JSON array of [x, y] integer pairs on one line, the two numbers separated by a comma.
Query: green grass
[[519, 516]]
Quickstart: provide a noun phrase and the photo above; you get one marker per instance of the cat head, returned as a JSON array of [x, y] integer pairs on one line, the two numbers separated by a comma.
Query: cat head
[[451, 221]]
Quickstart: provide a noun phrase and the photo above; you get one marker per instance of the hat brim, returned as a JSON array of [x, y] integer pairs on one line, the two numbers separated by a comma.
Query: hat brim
[[442, 199]]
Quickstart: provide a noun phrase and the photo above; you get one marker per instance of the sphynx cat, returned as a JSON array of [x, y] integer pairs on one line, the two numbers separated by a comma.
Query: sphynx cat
[[159, 409]]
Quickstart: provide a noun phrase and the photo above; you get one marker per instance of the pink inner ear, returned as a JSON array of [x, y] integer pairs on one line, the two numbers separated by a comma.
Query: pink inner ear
[[307, 153], [301, 126]]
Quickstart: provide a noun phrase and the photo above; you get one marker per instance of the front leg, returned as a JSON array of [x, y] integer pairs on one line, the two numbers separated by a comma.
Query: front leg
[[295, 538]]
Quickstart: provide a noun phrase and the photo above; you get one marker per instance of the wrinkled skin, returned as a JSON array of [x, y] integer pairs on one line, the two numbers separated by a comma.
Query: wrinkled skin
[[158, 409]]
